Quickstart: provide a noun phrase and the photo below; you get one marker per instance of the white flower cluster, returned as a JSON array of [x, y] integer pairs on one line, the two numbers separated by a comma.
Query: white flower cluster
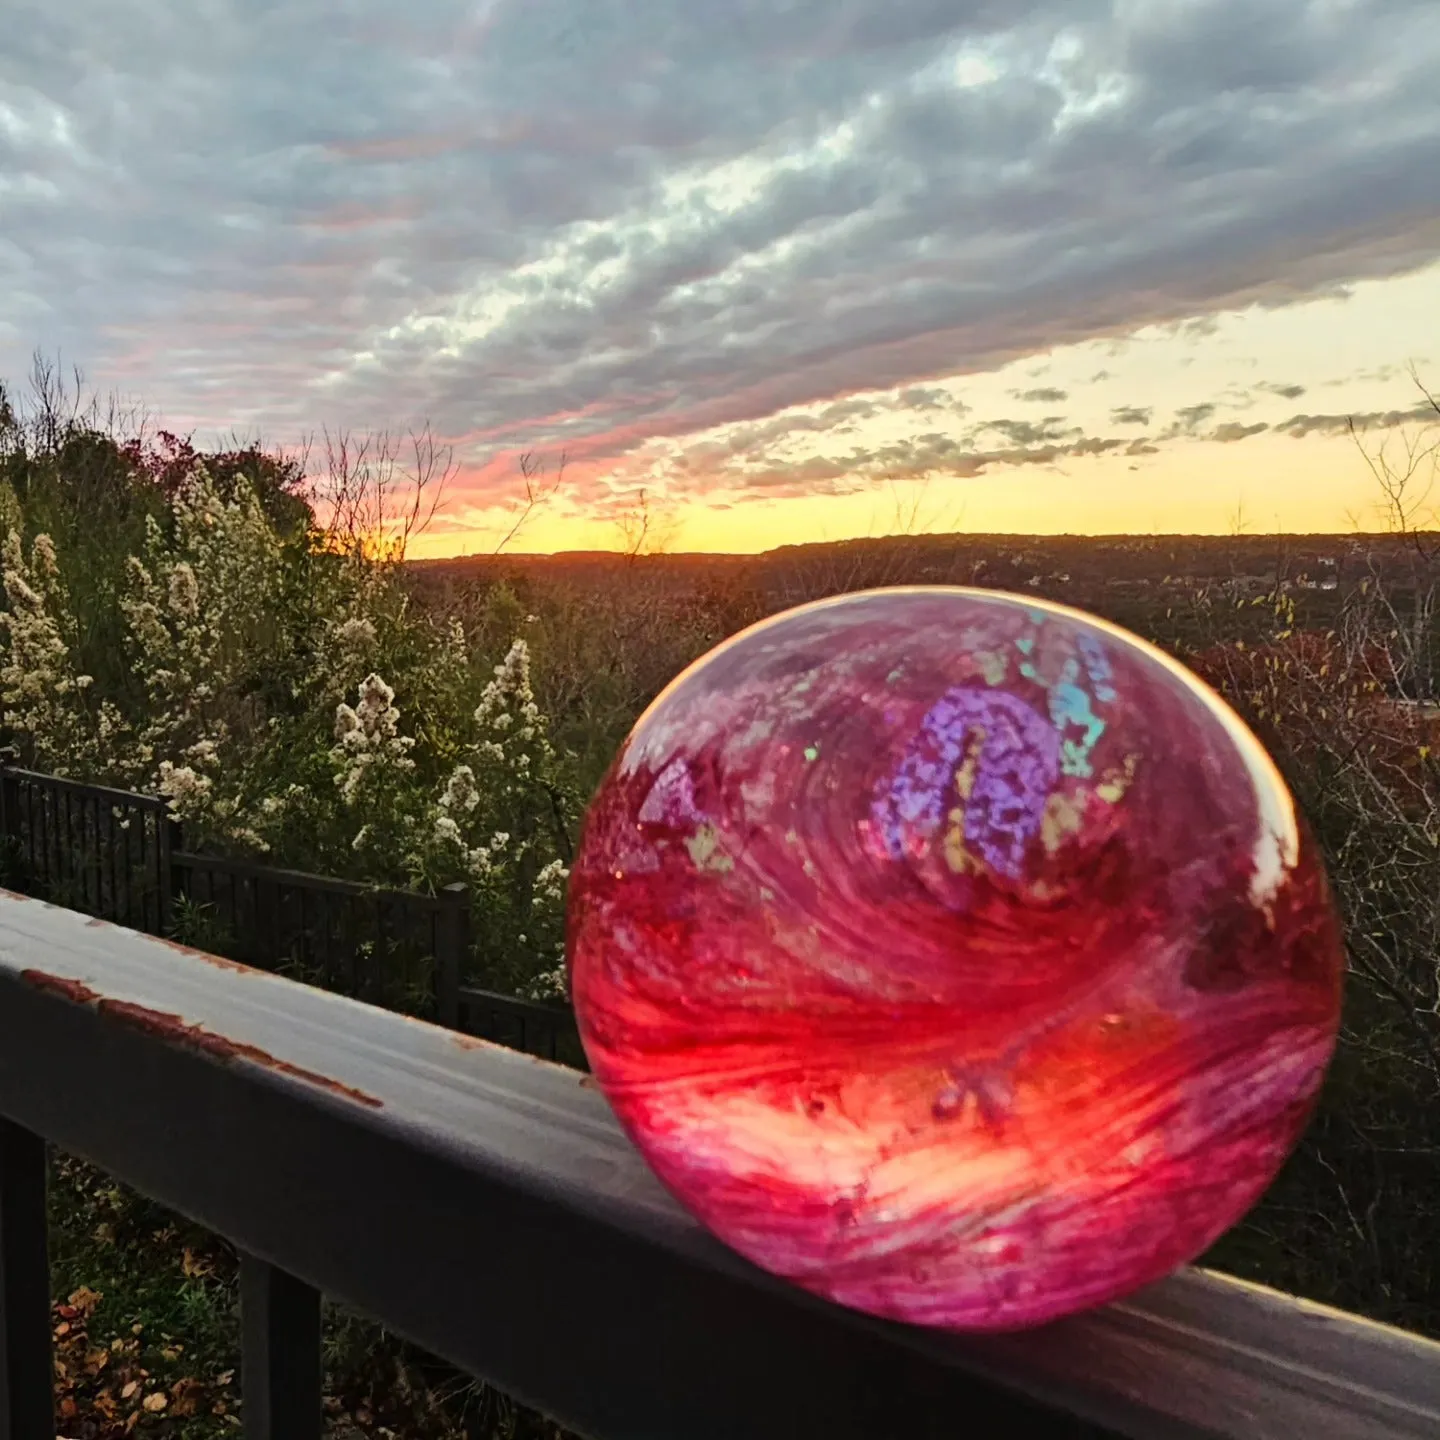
[[348, 649], [550, 882], [356, 636], [369, 739], [461, 794], [508, 719], [509, 752], [44, 695], [196, 609], [552, 984], [186, 788], [480, 861], [458, 800]]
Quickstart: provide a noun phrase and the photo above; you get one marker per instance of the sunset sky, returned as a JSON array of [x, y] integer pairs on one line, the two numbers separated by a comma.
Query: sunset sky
[[800, 269]]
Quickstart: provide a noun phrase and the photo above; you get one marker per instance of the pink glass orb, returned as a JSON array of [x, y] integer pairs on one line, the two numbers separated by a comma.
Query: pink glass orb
[[957, 956]]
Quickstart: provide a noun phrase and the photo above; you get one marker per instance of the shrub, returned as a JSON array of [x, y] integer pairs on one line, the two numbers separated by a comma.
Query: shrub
[[279, 687]]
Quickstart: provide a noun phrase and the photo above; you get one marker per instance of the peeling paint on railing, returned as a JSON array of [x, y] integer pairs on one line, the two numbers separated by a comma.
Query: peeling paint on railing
[[195, 1037]]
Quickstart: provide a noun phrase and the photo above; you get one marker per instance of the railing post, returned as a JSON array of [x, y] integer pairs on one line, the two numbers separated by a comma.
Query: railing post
[[9, 803], [280, 1369], [27, 1406], [451, 943], [168, 839], [8, 756]]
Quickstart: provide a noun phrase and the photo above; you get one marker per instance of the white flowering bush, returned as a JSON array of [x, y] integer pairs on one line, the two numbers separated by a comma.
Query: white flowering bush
[[199, 609], [287, 699], [50, 711], [489, 809], [499, 820]]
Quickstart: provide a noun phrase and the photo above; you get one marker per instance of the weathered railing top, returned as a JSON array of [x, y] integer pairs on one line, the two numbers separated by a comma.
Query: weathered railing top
[[487, 1206], [105, 794]]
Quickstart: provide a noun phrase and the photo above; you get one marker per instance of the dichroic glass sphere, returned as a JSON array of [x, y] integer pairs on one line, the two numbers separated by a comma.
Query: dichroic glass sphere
[[957, 956]]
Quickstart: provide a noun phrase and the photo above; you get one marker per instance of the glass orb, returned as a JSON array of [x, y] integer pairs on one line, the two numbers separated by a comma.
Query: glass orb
[[957, 956]]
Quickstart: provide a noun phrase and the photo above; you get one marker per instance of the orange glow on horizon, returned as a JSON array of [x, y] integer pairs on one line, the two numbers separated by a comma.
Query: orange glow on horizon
[[1268, 484]]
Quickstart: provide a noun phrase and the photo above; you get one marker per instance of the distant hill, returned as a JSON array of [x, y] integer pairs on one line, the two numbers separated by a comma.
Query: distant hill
[[1079, 565]]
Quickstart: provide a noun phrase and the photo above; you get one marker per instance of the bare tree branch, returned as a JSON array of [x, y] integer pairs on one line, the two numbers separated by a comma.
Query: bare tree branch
[[537, 492]]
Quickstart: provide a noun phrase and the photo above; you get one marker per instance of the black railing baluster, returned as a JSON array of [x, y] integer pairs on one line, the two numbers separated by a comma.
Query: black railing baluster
[[52, 837], [32, 843], [64, 859], [304, 947], [277, 917], [39, 836], [27, 1406], [324, 961], [452, 941], [8, 818], [235, 924], [70, 876], [112, 849], [36, 815], [280, 1368], [381, 955], [22, 806], [90, 886], [150, 858], [124, 866], [168, 840], [90, 848], [97, 856], [130, 818], [350, 943]]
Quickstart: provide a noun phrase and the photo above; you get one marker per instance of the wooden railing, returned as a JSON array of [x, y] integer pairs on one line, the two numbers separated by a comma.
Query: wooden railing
[[487, 1206]]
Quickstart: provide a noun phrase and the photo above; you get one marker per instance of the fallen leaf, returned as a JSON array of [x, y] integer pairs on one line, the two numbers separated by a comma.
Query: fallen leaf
[[155, 1401], [193, 1267], [187, 1395], [129, 1389]]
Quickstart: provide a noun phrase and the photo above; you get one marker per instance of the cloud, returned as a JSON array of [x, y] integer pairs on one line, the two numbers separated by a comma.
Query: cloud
[[933, 456], [1286, 392], [759, 462], [610, 227], [1026, 432], [1131, 415], [922, 398], [1188, 420], [1299, 426], [1046, 395], [1232, 431]]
